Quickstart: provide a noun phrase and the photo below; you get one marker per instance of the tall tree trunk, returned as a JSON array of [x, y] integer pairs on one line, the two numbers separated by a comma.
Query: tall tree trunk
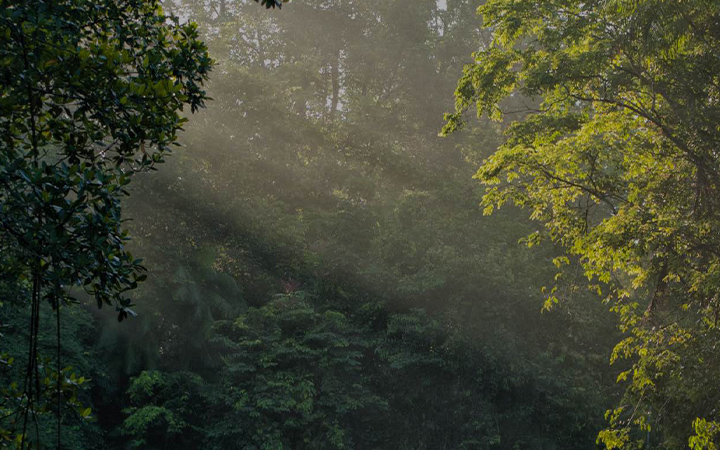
[[260, 49], [335, 78]]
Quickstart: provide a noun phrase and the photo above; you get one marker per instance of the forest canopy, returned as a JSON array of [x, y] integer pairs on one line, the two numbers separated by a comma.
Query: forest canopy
[[295, 259]]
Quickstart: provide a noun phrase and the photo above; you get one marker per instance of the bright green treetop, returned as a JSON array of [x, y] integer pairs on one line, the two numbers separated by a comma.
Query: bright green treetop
[[620, 162]]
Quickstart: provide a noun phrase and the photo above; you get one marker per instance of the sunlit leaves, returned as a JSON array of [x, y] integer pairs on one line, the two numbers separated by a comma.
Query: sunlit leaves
[[619, 163]]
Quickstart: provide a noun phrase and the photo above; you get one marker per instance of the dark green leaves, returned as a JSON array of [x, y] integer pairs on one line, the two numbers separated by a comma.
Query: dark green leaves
[[91, 92], [272, 3]]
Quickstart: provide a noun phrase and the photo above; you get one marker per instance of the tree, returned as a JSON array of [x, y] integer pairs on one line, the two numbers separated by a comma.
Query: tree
[[166, 410], [620, 164], [359, 213], [363, 205], [91, 93], [296, 374]]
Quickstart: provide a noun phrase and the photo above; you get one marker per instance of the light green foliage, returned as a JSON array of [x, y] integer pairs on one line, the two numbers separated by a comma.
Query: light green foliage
[[704, 438], [619, 163]]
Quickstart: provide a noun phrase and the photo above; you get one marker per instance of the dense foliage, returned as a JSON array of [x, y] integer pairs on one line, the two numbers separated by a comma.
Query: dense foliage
[[90, 93], [316, 183], [318, 272], [619, 162]]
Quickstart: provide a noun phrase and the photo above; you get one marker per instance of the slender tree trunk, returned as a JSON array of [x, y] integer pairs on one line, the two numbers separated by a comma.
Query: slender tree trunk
[[260, 49], [335, 79]]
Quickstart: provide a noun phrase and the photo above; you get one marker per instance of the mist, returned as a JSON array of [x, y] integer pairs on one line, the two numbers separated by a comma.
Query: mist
[[316, 184], [325, 270]]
